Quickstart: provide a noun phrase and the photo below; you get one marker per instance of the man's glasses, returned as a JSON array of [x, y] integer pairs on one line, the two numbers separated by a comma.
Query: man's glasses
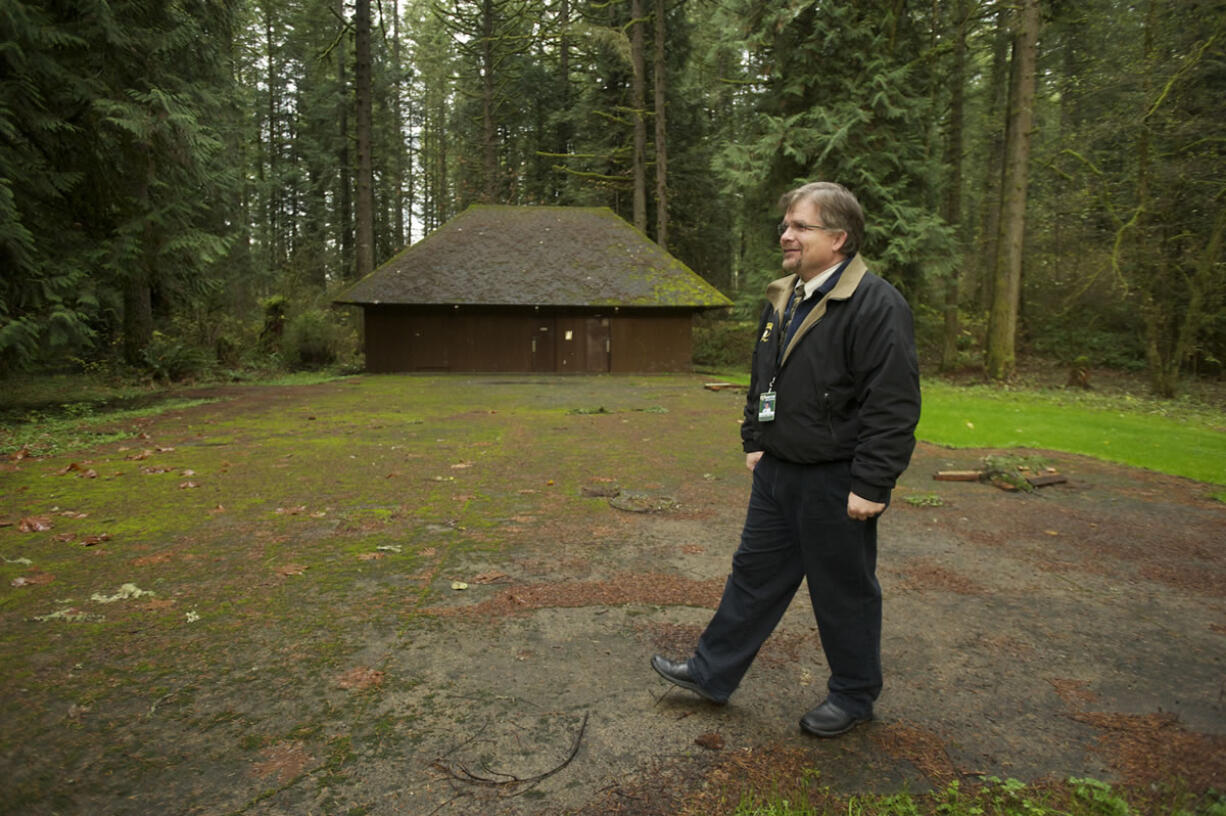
[[800, 226]]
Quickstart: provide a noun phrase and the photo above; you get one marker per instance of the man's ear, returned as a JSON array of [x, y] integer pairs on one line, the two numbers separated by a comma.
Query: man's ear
[[840, 241]]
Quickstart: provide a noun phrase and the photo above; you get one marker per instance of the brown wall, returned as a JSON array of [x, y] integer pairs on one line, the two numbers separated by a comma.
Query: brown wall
[[406, 338]]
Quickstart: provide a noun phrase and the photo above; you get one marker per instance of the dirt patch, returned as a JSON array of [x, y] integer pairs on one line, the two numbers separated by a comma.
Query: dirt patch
[[922, 748], [1154, 748], [408, 599], [649, 588]]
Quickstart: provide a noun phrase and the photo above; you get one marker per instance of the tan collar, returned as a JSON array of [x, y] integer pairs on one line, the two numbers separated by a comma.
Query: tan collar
[[779, 291]]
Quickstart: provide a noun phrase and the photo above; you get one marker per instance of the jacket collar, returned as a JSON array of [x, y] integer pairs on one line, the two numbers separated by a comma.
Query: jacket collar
[[779, 291]]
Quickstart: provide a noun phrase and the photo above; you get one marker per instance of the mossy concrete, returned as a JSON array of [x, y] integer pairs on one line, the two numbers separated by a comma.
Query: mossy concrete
[[303, 649]]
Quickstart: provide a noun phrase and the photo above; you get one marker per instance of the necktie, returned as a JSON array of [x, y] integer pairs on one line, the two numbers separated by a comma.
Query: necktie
[[798, 295]]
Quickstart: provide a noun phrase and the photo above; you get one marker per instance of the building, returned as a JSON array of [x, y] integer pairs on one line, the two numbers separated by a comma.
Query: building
[[544, 289]]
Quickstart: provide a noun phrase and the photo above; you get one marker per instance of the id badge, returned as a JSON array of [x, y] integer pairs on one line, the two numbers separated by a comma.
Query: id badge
[[766, 406]]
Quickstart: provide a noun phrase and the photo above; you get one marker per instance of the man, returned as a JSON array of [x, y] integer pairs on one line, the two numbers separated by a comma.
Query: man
[[829, 426]]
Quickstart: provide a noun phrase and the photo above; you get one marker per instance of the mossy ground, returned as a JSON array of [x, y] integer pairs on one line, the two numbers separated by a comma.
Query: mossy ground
[[302, 650]]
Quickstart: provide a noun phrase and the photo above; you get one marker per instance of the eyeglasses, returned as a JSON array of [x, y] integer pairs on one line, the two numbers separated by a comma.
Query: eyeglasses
[[800, 226]]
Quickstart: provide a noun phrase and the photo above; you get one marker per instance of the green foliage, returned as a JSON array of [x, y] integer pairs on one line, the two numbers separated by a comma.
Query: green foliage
[[1099, 798], [992, 797], [110, 171], [169, 359], [862, 120], [317, 338], [722, 343], [925, 500]]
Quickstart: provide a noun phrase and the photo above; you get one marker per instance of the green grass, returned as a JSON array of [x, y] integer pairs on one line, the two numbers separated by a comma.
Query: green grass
[[78, 427], [1178, 437], [996, 797], [1169, 437]]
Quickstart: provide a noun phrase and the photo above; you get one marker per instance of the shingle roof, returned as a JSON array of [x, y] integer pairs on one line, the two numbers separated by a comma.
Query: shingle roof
[[535, 256]]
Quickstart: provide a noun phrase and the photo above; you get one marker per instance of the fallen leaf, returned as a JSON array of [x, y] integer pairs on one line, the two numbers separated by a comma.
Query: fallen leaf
[[149, 470], [371, 556], [35, 578], [711, 741], [17, 456], [146, 560], [136, 457], [285, 761], [291, 569], [73, 514], [491, 577], [1052, 532], [188, 485], [291, 511], [34, 524], [161, 449], [461, 465], [218, 509], [459, 585], [188, 472], [319, 514], [360, 678], [65, 537], [91, 540]]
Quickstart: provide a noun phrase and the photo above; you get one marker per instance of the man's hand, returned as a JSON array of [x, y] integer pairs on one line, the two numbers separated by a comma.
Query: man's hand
[[862, 509], [751, 459]]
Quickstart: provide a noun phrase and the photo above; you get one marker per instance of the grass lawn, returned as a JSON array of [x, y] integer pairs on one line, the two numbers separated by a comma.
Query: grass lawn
[[1169, 436], [1165, 437]]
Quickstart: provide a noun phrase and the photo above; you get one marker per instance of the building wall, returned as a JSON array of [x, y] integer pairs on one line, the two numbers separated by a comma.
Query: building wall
[[408, 338]]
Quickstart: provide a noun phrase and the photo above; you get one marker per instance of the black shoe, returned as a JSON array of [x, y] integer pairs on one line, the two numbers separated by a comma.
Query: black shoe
[[828, 720], [679, 675]]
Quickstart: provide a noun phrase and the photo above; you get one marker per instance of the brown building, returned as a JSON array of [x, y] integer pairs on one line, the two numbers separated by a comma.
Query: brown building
[[501, 288]]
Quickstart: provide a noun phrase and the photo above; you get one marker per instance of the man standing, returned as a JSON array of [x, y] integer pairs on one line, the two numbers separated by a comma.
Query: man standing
[[829, 426]]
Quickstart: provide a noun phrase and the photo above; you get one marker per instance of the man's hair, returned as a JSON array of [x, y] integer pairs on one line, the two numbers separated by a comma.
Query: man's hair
[[839, 208]]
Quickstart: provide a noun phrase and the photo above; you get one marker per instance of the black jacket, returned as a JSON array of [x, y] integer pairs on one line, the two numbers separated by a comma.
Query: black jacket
[[848, 385]]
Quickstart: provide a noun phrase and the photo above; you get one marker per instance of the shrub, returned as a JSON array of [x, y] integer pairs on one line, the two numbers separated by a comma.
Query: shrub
[[172, 360], [315, 338], [722, 343]]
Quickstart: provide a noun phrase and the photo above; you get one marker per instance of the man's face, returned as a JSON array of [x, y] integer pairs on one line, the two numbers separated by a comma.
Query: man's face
[[809, 252]]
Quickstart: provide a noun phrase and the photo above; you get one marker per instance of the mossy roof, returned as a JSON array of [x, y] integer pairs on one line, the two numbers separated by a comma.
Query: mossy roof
[[492, 255]]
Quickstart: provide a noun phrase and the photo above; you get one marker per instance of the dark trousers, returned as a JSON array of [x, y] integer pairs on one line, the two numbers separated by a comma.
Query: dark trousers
[[797, 527]]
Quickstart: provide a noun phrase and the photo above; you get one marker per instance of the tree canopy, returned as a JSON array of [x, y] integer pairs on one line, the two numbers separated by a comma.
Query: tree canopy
[[166, 169]]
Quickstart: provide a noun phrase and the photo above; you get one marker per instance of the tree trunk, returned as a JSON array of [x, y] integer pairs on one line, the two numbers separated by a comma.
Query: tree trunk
[[365, 259], [1001, 356], [397, 128], [344, 171], [275, 256], [489, 141], [638, 86], [989, 207], [953, 198], [660, 81], [137, 291]]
